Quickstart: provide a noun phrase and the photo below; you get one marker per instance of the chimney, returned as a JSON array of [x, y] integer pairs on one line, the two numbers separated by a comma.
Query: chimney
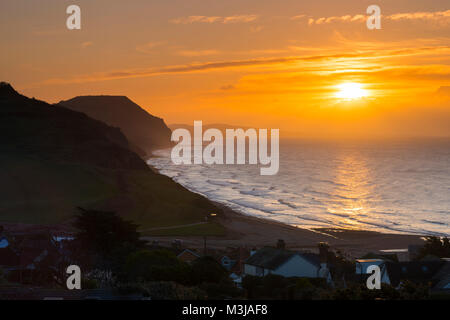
[[323, 253], [281, 244]]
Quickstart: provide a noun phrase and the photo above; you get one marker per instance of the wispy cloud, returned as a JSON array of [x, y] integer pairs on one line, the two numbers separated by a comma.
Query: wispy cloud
[[298, 17], [227, 87], [346, 18], [198, 53], [255, 29], [436, 16], [86, 44], [258, 62], [148, 47], [215, 19]]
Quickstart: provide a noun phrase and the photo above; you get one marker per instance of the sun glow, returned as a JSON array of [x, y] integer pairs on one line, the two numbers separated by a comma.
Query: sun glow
[[350, 91]]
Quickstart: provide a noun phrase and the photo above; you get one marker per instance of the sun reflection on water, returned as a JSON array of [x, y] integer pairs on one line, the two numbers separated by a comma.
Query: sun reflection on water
[[353, 191]]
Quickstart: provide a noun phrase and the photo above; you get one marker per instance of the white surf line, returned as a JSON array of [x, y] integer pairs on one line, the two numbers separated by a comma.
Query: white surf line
[[319, 232]]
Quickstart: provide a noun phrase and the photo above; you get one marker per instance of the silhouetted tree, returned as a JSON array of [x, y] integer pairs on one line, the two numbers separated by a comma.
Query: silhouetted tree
[[435, 246], [155, 265], [206, 269], [106, 236]]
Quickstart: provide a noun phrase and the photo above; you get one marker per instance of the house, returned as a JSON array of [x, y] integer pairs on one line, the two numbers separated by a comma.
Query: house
[[432, 272], [286, 263], [4, 243], [9, 259], [28, 258], [414, 251], [442, 277], [188, 256], [415, 271], [233, 261], [401, 255], [226, 262], [363, 264]]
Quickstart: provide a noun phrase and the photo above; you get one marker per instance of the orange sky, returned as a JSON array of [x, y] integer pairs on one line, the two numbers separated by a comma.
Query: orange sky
[[255, 63]]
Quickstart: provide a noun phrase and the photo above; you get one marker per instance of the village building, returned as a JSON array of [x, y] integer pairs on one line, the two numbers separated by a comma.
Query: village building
[[188, 256], [435, 273], [287, 264]]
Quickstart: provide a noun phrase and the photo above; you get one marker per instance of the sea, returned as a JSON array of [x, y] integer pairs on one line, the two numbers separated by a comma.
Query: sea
[[400, 186]]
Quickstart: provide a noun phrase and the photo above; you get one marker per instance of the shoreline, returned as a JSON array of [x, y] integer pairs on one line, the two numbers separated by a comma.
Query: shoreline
[[249, 231], [252, 232], [243, 230], [318, 228]]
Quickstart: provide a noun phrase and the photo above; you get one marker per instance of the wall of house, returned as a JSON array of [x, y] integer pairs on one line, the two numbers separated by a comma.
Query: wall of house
[[297, 267], [385, 276], [361, 266], [249, 270], [255, 271]]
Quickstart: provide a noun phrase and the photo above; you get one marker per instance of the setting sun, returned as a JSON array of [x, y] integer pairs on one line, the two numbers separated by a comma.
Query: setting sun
[[351, 90]]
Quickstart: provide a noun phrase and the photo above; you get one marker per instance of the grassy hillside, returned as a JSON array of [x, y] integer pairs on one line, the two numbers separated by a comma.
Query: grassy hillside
[[46, 192], [41, 191], [142, 129], [54, 160]]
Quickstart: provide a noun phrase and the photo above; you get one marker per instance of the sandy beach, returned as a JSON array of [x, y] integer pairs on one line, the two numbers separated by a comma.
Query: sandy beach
[[254, 232]]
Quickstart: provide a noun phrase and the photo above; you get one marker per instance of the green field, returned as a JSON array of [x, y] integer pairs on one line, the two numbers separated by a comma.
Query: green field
[[208, 229], [41, 192], [36, 191]]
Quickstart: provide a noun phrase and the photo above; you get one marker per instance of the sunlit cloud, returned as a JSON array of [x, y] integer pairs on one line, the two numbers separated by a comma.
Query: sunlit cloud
[[198, 53], [346, 18], [298, 17], [227, 87], [343, 60], [439, 16], [87, 44], [255, 29], [148, 47], [215, 19]]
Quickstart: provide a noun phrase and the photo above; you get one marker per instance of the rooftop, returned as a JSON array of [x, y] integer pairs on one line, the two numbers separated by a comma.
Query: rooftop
[[272, 258], [416, 271]]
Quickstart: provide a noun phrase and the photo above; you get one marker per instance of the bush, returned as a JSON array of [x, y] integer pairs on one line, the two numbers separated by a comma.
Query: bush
[[208, 270], [155, 265]]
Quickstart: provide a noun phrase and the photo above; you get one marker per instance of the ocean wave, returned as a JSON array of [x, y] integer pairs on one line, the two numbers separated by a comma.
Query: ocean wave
[[254, 192], [435, 222], [218, 183], [256, 205], [396, 193], [289, 204]]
